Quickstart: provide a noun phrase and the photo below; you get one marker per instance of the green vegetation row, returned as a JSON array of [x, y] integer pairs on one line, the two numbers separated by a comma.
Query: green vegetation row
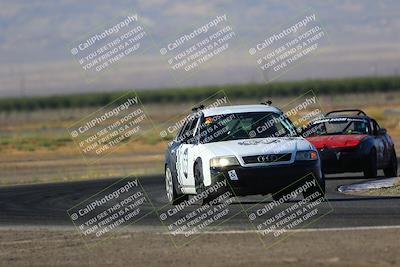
[[195, 94]]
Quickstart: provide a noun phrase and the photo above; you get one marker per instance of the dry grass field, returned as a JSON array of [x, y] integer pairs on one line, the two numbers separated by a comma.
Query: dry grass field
[[36, 147]]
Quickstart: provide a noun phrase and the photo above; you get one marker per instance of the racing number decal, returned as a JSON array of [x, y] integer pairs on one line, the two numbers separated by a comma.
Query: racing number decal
[[381, 149], [182, 162], [185, 163], [232, 175], [387, 147]]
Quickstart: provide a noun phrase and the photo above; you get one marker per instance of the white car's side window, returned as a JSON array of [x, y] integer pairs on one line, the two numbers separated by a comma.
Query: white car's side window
[[197, 128]]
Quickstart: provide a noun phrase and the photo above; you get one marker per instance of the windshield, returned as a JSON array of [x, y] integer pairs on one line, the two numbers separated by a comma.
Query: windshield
[[332, 126], [245, 126]]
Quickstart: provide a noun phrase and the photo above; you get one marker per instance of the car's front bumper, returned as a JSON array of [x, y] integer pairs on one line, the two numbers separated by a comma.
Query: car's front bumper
[[269, 179], [340, 160]]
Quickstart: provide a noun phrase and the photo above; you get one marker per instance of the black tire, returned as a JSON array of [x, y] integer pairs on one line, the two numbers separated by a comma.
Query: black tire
[[174, 196], [371, 167], [198, 176], [280, 193], [391, 169], [198, 179], [322, 185], [320, 188]]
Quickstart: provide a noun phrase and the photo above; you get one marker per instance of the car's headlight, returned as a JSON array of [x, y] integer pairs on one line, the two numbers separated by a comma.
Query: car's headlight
[[219, 162], [306, 155]]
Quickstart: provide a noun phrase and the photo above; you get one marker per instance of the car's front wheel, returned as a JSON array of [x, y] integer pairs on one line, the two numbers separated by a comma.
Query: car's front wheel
[[280, 194], [371, 167], [391, 169], [318, 188], [170, 187], [199, 183]]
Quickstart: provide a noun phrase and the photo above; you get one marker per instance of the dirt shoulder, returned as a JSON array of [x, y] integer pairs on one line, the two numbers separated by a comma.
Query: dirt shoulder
[[376, 247]]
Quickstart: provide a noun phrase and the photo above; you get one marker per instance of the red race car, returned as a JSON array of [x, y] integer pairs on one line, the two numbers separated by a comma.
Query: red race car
[[350, 141]]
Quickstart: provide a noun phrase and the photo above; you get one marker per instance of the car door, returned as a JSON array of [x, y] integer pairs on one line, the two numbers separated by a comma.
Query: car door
[[173, 147], [388, 143], [184, 161], [382, 145]]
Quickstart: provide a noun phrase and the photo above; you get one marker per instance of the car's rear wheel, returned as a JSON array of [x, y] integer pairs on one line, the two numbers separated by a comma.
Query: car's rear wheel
[[173, 196], [391, 169], [371, 167]]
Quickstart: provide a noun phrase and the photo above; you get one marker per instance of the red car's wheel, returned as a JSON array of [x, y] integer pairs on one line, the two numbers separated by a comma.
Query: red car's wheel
[[371, 167], [391, 169]]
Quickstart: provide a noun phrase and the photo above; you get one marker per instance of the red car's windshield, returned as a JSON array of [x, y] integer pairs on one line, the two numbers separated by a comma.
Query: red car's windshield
[[342, 125]]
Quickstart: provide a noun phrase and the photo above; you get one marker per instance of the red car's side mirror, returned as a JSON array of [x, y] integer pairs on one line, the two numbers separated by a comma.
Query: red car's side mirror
[[382, 131]]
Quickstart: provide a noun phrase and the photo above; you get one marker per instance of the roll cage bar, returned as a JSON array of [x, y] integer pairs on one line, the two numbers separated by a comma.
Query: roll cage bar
[[358, 111]]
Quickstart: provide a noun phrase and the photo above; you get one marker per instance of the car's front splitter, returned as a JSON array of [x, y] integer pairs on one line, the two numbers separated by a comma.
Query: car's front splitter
[[268, 179]]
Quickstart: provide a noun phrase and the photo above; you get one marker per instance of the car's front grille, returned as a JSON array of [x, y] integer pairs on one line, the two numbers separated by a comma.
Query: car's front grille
[[267, 158]]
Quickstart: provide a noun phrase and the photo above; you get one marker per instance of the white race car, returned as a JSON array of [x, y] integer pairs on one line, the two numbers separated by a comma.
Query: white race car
[[256, 148]]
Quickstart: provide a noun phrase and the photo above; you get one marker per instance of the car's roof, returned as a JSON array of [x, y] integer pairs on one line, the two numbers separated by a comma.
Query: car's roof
[[350, 117], [239, 109]]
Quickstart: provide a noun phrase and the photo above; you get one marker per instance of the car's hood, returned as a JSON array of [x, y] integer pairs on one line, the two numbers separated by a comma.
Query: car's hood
[[336, 141], [259, 146]]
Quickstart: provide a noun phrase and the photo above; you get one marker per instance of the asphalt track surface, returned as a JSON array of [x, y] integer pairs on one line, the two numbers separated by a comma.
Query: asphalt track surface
[[47, 204]]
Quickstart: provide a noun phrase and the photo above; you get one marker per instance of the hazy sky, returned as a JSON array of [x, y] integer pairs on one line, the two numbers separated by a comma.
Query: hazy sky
[[36, 38]]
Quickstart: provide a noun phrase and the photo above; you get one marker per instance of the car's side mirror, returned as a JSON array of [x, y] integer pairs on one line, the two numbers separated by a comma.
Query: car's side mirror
[[382, 131]]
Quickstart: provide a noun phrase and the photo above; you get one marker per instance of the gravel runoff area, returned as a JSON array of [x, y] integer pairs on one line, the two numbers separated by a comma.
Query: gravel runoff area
[[379, 187]]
